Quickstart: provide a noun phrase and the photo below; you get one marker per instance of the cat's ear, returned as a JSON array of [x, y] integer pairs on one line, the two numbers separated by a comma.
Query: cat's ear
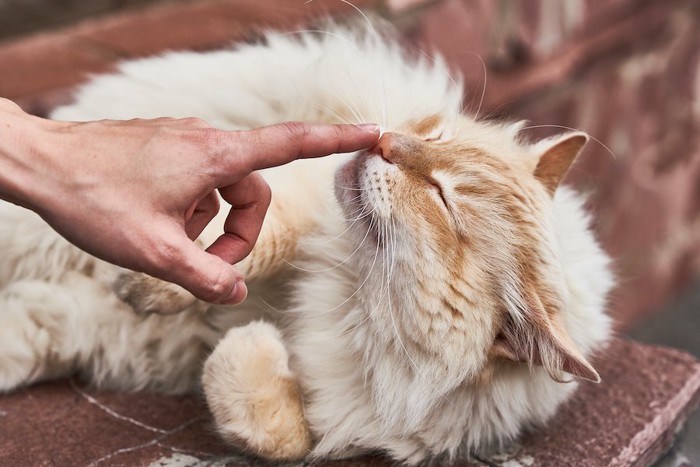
[[538, 336], [556, 156]]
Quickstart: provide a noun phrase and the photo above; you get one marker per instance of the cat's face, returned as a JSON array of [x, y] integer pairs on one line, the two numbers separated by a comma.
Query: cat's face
[[455, 248]]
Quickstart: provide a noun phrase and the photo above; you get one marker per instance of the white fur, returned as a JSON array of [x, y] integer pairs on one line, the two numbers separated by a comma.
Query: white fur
[[365, 386]]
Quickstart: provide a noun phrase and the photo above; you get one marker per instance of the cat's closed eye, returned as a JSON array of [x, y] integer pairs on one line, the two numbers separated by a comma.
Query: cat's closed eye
[[437, 189], [433, 138]]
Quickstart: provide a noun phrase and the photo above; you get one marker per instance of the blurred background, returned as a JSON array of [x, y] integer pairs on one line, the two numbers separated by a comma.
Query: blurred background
[[625, 71]]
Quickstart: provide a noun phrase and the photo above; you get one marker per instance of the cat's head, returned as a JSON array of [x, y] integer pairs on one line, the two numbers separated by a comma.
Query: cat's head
[[455, 247]]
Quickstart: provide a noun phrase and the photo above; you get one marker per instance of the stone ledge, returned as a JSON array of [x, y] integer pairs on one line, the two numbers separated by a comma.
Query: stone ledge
[[630, 419]]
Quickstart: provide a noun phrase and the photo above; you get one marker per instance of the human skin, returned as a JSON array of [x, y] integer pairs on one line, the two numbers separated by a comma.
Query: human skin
[[136, 193]]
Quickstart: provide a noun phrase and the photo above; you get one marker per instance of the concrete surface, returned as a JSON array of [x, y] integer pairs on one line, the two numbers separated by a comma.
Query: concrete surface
[[630, 419], [678, 325]]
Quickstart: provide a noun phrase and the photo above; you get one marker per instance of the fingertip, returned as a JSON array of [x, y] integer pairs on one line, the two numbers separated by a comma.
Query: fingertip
[[238, 294], [353, 140], [370, 134], [371, 128], [207, 276]]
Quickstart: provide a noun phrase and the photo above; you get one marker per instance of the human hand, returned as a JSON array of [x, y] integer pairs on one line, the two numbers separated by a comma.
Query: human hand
[[136, 193]]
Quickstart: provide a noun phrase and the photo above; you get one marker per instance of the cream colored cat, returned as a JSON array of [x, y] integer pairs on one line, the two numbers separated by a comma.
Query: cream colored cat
[[426, 298]]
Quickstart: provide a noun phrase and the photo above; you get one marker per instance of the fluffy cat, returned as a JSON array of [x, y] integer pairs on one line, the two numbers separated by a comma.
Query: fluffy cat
[[425, 298]]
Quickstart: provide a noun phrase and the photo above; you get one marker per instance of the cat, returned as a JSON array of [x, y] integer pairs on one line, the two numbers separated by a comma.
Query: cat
[[428, 298]]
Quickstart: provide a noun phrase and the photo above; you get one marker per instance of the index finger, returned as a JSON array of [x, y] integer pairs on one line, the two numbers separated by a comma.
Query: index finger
[[279, 144]]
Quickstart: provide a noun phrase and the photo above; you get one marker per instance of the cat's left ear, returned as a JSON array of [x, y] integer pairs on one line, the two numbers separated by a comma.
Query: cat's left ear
[[538, 336], [557, 155]]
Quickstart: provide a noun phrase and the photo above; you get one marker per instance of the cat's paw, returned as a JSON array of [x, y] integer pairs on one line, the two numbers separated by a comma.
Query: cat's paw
[[253, 395], [147, 295], [19, 359], [27, 333]]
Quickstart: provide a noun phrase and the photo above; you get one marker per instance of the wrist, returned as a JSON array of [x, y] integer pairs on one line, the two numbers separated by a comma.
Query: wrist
[[26, 142]]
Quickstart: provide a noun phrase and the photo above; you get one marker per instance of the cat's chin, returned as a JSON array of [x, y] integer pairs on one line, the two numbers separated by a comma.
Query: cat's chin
[[347, 193], [347, 185], [347, 180]]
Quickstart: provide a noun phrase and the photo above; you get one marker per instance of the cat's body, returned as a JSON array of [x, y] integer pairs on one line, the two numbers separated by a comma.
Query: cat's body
[[431, 305]]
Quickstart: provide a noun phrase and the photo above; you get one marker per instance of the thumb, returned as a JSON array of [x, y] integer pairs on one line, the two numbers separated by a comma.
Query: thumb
[[205, 275]]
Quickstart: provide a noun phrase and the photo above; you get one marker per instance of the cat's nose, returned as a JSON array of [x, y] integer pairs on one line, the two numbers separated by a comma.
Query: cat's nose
[[385, 147]]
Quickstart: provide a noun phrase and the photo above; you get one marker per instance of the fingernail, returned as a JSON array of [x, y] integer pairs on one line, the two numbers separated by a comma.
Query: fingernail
[[239, 292], [368, 127]]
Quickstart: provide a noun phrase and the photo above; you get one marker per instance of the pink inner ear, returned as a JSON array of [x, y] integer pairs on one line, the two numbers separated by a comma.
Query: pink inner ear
[[554, 164]]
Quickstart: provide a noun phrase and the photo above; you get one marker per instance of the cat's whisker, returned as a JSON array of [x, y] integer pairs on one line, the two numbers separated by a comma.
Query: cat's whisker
[[351, 103], [357, 214], [369, 273], [563, 127], [483, 88], [441, 67], [367, 20], [384, 289], [355, 111], [300, 32], [348, 188], [362, 214], [273, 308], [393, 244], [345, 95], [353, 218], [339, 117], [353, 221], [333, 267], [384, 104], [382, 87]]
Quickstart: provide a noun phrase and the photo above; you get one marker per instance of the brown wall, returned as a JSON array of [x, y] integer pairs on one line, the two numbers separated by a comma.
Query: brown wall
[[626, 71]]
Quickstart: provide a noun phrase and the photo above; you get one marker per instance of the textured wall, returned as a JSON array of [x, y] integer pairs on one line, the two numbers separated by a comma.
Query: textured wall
[[19, 17], [627, 72]]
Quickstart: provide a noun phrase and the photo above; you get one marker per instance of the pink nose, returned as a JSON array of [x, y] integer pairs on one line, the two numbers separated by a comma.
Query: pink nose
[[385, 147]]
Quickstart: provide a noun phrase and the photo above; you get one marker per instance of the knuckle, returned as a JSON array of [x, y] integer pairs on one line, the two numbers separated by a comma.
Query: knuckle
[[339, 135], [250, 138], [217, 289], [164, 256], [296, 130], [207, 140], [265, 194]]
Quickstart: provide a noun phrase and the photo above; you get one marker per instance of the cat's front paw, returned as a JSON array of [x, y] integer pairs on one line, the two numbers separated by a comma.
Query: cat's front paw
[[253, 395], [147, 295]]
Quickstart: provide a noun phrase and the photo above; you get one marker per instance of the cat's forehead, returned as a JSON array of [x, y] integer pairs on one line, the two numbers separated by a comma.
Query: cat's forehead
[[471, 137], [428, 125]]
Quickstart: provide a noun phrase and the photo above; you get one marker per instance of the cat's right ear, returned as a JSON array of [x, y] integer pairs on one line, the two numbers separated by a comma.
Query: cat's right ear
[[557, 156]]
